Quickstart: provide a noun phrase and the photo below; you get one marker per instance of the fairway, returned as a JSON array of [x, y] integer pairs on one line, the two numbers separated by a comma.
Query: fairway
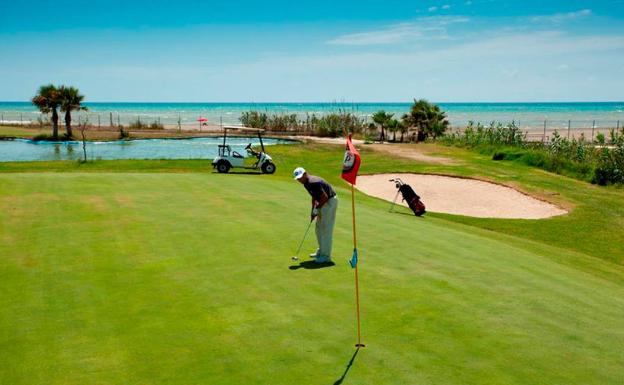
[[183, 278]]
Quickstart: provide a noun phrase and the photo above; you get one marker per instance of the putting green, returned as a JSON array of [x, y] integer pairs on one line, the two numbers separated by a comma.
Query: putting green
[[134, 278]]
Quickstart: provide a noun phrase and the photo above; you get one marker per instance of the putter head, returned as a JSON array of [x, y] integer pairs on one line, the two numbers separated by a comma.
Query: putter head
[[294, 258]]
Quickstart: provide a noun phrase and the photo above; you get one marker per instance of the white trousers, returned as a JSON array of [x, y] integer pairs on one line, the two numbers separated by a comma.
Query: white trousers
[[325, 227]]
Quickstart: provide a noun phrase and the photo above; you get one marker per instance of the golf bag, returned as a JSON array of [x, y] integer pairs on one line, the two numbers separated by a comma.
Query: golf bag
[[409, 196]]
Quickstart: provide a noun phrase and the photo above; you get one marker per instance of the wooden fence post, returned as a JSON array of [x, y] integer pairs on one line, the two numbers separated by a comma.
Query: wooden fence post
[[569, 124]]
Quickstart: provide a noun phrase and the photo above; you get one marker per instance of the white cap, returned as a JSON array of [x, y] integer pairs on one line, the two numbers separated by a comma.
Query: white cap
[[298, 173]]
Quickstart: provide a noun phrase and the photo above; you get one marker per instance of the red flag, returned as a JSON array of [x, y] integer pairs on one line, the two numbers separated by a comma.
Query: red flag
[[351, 162]]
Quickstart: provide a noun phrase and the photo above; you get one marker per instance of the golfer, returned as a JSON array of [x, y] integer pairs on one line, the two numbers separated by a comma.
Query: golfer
[[324, 204]]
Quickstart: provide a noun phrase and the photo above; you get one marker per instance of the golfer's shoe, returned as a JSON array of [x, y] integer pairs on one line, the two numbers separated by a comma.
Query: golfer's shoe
[[322, 259], [314, 254]]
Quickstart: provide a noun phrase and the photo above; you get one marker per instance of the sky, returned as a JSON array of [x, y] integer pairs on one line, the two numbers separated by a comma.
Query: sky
[[315, 51]]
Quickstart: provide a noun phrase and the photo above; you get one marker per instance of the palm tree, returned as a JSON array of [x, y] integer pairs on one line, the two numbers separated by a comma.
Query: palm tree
[[70, 101], [405, 124], [428, 118], [48, 100], [382, 118], [394, 126]]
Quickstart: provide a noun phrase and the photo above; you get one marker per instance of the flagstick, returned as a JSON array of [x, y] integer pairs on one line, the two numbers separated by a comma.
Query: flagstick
[[357, 288]]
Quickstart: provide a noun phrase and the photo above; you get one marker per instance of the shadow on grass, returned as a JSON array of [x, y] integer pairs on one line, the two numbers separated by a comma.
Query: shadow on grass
[[240, 172], [339, 381], [311, 265], [409, 214]]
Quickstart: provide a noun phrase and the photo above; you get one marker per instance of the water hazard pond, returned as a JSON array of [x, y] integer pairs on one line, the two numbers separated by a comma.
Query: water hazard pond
[[192, 148]]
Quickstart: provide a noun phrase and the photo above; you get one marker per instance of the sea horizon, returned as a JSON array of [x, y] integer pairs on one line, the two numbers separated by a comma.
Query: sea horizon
[[526, 114]]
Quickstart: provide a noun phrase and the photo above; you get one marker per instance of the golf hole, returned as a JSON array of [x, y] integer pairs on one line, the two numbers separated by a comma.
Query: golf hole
[[461, 196]]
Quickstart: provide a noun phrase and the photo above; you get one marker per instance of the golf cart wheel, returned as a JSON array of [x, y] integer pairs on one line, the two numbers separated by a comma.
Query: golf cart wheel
[[268, 168], [223, 167]]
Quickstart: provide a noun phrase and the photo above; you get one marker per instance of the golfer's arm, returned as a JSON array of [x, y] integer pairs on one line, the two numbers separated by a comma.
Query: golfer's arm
[[322, 200]]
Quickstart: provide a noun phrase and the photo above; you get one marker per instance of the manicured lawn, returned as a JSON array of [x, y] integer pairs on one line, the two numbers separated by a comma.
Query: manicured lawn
[[593, 227], [163, 272]]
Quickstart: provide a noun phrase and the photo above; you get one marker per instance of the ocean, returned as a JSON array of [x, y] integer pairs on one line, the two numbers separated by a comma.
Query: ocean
[[526, 115]]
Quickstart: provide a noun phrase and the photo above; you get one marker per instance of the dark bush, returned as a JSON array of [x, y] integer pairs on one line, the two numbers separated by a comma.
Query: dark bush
[[332, 125], [575, 158]]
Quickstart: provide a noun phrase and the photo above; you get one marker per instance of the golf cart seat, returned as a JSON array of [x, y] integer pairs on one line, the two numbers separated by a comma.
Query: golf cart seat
[[224, 150], [236, 154]]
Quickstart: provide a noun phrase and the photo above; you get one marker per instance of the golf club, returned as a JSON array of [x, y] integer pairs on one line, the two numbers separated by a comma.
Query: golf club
[[397, 183], [296, 256]]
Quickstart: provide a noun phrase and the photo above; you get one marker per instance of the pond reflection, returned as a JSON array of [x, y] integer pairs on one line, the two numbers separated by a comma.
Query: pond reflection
[[194, 148]]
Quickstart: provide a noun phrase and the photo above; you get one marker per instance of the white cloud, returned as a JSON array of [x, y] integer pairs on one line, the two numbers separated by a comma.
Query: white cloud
[[395, 34], [446, 6], [424, 28], [561, 17], [487, 68], [510, 73], [563, 67], [432, 9]]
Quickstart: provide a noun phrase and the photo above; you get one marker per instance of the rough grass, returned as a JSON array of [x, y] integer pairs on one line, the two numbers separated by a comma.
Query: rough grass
[[143, 276]]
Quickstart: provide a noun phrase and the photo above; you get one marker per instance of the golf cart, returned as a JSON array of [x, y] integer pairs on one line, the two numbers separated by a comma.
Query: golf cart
[[228, 158]]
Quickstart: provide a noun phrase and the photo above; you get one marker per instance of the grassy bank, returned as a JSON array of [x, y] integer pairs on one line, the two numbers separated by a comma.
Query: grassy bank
[[103, 133]]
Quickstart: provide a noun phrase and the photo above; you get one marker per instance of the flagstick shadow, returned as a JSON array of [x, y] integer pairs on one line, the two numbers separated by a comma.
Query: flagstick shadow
[[339, 381]]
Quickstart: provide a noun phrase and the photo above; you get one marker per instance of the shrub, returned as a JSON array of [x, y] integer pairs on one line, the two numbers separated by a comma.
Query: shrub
[[139, 125], [122, 133], [575, 158], [332, 125], [49, 138], [254, 119], [498, 156], [610, 167], [494, 134]]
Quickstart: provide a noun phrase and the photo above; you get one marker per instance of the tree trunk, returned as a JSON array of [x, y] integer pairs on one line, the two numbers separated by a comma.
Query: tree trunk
[[401, 136], [68, 124], [394, 136], [54, 123], [382, 135]]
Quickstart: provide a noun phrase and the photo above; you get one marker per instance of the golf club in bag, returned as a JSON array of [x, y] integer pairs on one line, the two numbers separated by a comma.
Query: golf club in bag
[[409, 196]]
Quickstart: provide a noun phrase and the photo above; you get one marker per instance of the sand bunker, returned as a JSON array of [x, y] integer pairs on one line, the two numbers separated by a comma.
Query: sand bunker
[[461, 196]]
